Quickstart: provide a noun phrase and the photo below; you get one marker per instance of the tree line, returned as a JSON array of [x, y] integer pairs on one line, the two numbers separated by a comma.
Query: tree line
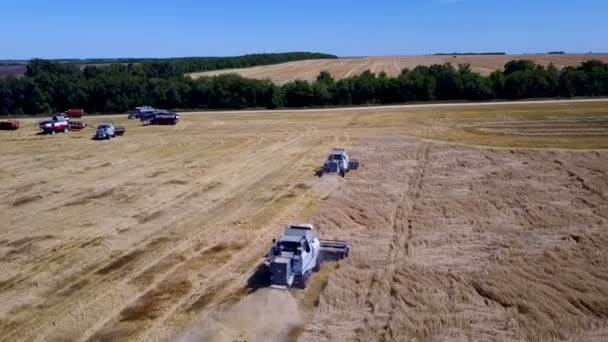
[[181, 65], [48, 86]]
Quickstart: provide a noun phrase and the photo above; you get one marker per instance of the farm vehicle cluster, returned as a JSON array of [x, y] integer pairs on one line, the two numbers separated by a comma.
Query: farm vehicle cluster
[[63, 123], [60, 122]]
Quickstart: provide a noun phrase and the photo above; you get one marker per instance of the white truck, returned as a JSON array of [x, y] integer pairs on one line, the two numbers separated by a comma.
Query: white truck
[[299, 252], [107, 130]]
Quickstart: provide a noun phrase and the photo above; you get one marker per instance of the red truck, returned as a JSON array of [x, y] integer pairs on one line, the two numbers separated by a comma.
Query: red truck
[[74, 113], [9, 125]]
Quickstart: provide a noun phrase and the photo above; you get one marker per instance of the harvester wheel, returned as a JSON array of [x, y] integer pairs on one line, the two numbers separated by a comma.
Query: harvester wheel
[[319, 263], [346, 253], [303, 283]]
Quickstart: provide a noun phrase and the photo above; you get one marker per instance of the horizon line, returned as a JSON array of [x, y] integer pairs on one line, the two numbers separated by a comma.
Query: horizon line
[[492, 53]]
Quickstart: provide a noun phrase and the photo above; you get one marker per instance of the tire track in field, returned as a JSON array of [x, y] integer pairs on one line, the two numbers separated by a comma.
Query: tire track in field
[[356, 67], [246, 264], [224, 288], [405, 235], [396, 65], [97, 172], [65, 251], [223, 295], [104, 180], [261, 161], [402, 234], [182, 305], [127, 254], [312, 72], [293, 141], [585, 185]]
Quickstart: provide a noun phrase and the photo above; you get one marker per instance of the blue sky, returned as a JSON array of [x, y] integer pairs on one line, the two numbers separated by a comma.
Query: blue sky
[[111, 28]]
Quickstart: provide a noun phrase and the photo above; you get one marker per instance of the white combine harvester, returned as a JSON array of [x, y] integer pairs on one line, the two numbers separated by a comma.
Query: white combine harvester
[[298, 253], [339, 162]]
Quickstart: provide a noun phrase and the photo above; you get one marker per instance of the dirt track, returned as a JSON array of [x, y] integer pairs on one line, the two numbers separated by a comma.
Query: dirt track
[[154, 235], [392, 65]]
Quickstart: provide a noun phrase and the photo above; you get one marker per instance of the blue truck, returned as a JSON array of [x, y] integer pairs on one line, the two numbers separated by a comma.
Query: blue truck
[[142, 111], [159, 118]]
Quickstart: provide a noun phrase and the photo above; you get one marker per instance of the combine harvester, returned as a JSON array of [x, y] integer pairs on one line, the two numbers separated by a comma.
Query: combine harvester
[[107, 130], [58, 123], [142, 111], [160, 118], [339, 162], [298, 253], [152, 116]]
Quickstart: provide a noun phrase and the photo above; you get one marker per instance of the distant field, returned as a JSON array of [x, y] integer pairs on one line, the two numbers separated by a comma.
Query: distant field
[[11, 70], [342, 68]]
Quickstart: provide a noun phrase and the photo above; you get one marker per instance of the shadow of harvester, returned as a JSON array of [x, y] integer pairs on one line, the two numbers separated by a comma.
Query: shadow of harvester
[[259, 279]]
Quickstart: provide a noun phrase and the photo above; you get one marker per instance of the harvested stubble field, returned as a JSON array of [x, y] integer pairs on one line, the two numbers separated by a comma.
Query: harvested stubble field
[[392, 65], [459, 230]]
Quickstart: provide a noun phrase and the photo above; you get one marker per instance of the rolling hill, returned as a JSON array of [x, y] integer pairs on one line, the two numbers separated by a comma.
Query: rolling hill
[[392, 65]]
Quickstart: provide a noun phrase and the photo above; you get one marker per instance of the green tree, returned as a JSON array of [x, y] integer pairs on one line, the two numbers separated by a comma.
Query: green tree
[[325, 78], [298, 94], [518, 65]]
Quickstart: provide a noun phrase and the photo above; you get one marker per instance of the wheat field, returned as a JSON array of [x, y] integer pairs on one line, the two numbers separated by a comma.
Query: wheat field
[[466, 223], [392, 65]]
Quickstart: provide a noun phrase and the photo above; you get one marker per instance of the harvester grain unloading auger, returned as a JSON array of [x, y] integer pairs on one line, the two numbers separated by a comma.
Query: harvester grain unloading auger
[[299, 253], [339, 162]]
